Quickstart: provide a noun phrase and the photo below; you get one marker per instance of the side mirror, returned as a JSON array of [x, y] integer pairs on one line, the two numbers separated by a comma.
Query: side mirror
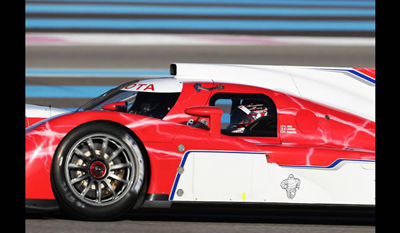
[[115, 106], [213, 113]]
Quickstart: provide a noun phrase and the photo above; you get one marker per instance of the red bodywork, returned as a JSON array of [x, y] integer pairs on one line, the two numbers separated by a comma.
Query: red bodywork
[[323, 136], [32, 120]]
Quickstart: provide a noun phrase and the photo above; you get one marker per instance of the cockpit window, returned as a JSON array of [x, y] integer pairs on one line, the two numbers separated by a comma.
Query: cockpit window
[[152, 104], [155, 105], [113, 95], [246, 114]]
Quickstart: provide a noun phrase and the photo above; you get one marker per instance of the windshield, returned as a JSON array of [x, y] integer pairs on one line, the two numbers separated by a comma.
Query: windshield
[[152, 104]]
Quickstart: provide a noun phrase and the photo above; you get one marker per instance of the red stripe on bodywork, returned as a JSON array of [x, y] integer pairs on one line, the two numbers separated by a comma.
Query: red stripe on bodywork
[[367, 71]]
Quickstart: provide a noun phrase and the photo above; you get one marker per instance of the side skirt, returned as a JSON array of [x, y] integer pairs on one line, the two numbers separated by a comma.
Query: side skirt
[[160, 201]]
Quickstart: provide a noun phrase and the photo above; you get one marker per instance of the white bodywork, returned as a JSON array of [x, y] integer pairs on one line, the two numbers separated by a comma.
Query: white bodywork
[[37, 111], [338, 87], [229, 176], [223, 176]]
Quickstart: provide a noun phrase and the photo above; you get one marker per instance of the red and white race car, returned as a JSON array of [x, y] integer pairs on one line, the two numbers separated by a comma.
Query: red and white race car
[[210, 134]]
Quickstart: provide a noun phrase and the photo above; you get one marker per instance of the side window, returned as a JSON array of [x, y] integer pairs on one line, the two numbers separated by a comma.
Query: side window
[[246, 114]]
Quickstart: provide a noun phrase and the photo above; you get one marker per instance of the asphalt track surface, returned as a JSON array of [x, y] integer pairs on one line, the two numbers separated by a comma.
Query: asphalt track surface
[[156, 223], [159, 57]]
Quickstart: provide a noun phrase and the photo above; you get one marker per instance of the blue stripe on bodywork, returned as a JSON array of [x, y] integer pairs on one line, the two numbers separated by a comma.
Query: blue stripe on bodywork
[[332, 165], [363, 76], [355, 72]]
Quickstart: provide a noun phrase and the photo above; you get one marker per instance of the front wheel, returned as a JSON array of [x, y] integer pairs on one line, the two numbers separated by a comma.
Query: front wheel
[[98, 172]]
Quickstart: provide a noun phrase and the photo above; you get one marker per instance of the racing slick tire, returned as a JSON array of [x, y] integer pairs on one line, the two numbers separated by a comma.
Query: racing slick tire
[[99, 172]]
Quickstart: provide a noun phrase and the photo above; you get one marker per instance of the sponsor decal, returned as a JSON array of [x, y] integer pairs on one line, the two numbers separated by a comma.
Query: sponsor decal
[[140, 87], [287, 129], [291, 185]]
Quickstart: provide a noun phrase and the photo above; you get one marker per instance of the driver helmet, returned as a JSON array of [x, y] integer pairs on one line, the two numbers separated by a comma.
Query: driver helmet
[[244, 115]]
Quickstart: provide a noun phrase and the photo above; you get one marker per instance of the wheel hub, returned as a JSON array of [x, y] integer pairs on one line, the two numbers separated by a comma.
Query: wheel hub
[[98, 169]]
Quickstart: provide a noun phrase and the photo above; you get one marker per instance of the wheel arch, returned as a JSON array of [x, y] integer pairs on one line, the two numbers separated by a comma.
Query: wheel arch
[[143, 191]]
